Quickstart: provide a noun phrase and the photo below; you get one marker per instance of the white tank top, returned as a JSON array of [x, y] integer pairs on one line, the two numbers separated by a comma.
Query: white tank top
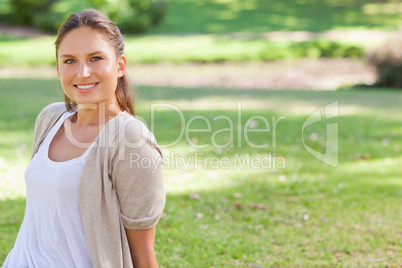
[[51, 234]]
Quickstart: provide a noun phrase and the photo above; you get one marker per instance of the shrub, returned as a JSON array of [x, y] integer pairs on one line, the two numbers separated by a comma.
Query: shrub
[[388, 61], [326, 49], [25, 10], [133, 16]]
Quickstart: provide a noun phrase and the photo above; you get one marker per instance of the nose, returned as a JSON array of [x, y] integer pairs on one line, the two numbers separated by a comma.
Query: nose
[[84, 70]]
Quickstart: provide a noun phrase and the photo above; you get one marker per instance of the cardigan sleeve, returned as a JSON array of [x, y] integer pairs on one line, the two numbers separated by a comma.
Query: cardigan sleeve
[[138, 177]]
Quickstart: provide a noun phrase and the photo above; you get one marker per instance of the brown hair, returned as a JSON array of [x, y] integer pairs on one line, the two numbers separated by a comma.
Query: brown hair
[[98, 21]]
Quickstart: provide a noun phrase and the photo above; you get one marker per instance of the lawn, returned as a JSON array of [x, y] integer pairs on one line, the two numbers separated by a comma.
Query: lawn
[[222, 16], [179, 49], [218, 16], [227, 208]]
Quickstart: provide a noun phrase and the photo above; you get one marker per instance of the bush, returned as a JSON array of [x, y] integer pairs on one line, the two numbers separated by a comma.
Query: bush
[[133, 16], [25, 10], [46, 15], [326, 49], [388, 61]]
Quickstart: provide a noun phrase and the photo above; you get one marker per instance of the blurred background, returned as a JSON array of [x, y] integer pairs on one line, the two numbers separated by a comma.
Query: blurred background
[[252, 62], [255, 34]]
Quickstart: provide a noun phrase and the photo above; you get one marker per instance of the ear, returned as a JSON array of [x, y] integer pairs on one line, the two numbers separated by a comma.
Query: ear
[[122, 65]]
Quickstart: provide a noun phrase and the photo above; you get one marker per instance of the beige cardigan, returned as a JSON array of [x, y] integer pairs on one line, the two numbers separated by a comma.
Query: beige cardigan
[[121, 186]]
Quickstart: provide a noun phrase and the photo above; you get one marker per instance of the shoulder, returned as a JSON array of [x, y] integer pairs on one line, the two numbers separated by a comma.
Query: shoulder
[[50, 114], [133, 128], [134, 135], [56, 108], [46, 118]]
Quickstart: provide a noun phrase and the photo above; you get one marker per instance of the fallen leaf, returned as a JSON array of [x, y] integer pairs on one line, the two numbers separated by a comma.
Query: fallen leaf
[[314, 136], [362, 156], [238, 206], [258, 206], [218, 151], [252, 124], [194, 196], [237, 195], [305, 243], [385, 142], [293, 199]]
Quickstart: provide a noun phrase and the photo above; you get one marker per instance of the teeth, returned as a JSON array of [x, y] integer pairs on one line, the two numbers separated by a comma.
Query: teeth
[[85, 87]]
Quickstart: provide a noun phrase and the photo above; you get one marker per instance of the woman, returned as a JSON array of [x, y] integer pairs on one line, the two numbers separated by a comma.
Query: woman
[[90, 201]]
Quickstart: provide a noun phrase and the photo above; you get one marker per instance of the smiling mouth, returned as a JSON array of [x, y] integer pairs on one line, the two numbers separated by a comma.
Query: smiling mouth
[[86, 86]]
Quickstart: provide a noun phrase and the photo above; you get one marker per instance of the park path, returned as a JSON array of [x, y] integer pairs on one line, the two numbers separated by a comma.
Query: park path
[[19, 31], [317, 74]]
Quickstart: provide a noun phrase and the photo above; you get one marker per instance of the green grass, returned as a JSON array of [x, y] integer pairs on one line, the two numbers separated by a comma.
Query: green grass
[[219, 16], [203, 31], [178, 49], [308, 214], [222, 16]]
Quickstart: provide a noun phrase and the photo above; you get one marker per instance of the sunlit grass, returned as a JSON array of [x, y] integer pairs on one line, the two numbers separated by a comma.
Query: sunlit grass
[[193, 48], [305, 214], [204, 32], [222, 16], [206, 16]]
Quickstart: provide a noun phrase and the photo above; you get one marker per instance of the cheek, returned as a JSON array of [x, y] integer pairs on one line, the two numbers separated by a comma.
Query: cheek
[[110, 70], [65, 74], [111, 73]]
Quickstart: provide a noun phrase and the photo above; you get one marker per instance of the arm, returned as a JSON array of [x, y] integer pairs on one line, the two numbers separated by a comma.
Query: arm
[[141, 244], [139, 188]]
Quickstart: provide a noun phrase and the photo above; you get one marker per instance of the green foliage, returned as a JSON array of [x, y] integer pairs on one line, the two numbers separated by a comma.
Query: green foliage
[[133, 16], [388, 61], [58, 12], [220, 16], [46, 15], [24, 11], [5, 11], [326, 49]]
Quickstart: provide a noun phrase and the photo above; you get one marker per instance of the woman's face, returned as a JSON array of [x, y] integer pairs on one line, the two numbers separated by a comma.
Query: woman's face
[[88, 67]]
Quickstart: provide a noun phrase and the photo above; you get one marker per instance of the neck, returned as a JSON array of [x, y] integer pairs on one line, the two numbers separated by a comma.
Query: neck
[[95, 114]]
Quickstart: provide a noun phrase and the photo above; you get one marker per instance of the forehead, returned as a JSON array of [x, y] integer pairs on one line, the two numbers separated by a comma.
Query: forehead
[[84, 40]]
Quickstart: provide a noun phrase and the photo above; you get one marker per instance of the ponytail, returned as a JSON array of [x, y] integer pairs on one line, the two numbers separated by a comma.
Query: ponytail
[[124, 95]]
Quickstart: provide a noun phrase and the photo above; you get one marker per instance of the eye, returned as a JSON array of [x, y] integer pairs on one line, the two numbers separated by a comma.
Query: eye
[[96, 58], [69, 61]]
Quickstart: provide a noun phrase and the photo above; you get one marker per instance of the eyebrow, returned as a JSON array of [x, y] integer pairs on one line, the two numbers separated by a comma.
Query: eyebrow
[[71, 56]]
